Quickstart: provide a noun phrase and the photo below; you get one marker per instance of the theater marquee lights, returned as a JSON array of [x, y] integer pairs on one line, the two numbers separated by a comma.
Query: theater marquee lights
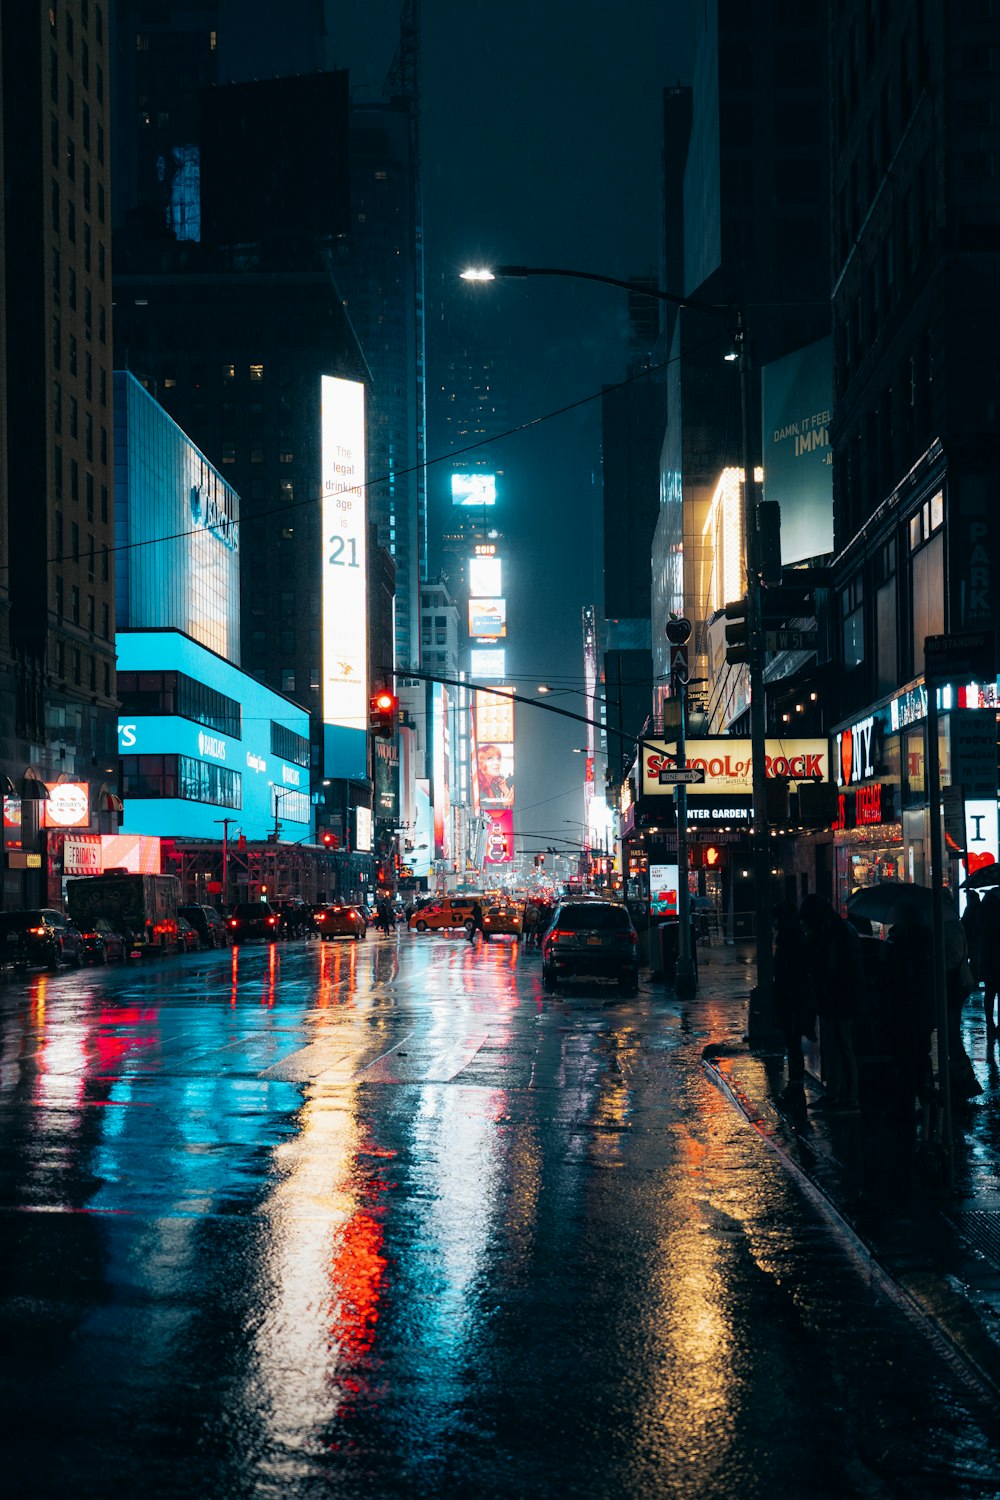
[[344, 576]]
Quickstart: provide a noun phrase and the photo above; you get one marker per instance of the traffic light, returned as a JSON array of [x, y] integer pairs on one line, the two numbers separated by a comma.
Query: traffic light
[[737, 634], [330, 840], [712, 857], [383, 709]]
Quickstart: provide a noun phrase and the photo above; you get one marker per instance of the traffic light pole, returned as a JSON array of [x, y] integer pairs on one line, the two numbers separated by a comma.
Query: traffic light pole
[[760, 1025]]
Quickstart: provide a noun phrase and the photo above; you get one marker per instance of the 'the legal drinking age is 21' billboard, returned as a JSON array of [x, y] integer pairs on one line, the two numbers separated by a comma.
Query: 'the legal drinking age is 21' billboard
[[344, 575]]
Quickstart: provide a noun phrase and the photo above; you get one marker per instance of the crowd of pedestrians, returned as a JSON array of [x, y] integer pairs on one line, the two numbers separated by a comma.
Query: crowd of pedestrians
[[871, 1004]]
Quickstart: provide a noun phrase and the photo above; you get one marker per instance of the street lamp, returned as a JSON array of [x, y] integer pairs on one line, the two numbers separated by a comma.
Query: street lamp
[[760, 1020]]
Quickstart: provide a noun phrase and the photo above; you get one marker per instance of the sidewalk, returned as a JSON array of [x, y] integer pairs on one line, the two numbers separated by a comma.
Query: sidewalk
[[938, 1257]]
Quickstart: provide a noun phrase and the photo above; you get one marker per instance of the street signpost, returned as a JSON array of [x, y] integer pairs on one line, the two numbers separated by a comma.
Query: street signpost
[[969, 656], [682, 776], [791, 640]]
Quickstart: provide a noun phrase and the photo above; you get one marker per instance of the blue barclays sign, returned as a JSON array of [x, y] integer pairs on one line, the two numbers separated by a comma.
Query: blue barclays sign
[[207, 512]]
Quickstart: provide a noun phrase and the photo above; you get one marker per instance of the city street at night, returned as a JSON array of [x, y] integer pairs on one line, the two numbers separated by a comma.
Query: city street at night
[[385, 1219]]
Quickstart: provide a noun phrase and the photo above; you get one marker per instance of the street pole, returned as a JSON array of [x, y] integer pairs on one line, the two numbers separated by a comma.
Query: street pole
[[225, 858], [937, 916], [760, 1021]]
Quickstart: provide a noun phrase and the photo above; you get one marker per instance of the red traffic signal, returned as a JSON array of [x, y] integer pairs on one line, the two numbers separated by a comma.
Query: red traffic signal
[[712, 857], [383, 711], [330, 840]]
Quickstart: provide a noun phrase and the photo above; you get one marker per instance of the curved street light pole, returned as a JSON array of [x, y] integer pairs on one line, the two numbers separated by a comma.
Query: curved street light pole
[[760, 1020]]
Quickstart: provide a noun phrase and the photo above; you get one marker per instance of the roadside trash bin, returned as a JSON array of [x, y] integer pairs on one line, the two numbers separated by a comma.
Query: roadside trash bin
[[669, 940]]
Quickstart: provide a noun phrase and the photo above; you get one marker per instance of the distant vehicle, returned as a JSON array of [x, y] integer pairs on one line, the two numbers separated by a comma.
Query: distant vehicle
[[188, 940], [39, 936], [593, 938], [502, 918], [253, 919], [101, 944], [207, 923], [341, 921], [142, 908], [446, 912]]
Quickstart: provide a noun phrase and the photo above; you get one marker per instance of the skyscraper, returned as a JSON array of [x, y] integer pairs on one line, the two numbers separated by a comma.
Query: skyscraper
[[56, 588]]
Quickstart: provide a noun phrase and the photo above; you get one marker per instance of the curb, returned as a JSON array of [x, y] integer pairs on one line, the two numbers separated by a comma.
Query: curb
[[949, 1342]]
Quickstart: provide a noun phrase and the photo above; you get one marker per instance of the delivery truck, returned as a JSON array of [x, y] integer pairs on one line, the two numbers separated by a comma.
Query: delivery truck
[[143, 908]]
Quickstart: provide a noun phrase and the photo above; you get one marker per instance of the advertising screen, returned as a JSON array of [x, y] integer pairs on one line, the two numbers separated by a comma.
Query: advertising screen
[[663, 890], [499, 849], [488, 619], [494, 767], [440, 790], [473, 489], [362, 829], [797, 399], [68, 805], [727, 765], [344, 579], [488, 664], [484, 577]]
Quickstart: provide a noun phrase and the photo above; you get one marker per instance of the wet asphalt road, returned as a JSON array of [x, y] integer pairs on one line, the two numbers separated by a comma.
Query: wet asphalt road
[[383, 1220]]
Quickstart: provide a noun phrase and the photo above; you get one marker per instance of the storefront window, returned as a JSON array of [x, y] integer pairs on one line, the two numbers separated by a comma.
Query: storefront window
[[914, 787]]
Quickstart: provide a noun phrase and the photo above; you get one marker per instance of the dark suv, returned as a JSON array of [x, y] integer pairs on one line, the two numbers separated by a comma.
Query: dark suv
[[253, 919], [207, 923], [39, 937], [591, 938]]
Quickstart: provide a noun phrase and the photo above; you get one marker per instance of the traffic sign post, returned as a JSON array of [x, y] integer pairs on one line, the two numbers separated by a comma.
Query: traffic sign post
[[682, 776], [970, 656]]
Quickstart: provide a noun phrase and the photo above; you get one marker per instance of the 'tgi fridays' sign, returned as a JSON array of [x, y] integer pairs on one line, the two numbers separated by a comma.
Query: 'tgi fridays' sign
[[727, 764]]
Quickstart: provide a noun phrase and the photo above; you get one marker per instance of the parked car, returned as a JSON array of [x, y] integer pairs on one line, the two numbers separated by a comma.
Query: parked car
[[591, 938], [501, 917], [101, 944], [446, 912], [188, 939], [253, 919], [40, 936], [207, 923], [341, 921]]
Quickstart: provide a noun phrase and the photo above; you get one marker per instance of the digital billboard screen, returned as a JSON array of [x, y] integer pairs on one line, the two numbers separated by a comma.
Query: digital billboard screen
[[473, 489], [490, 663], [484, 577], [344, 579], [499, 848], [488, 619], [797, 401], [494, 765]]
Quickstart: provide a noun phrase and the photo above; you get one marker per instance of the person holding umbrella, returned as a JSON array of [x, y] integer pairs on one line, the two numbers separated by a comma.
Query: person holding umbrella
[[834, 958], [989, 959]]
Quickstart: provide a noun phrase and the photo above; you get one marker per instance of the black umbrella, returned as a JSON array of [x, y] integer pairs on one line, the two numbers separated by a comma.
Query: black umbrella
[[896, 901], [980, 879]]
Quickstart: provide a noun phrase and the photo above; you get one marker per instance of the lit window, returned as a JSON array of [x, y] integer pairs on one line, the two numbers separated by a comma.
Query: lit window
[[256, 372]]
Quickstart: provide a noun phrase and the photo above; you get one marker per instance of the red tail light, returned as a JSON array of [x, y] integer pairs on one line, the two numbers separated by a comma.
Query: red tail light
[[37, 931], [271, 921], [559, 933], [233, 922]]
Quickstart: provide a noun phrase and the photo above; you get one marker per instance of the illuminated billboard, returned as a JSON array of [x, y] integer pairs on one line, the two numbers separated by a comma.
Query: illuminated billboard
[[494, 738], [363, 829], [440, 778], [488, 619], [68, 805], [499, 849], [484, 577], [797, 401], [488, 663], [473, 489], [344, 579]]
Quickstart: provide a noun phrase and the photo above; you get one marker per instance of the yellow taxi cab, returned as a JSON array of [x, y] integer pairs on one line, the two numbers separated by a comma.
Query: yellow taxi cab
[[503, 916], [443, 913]]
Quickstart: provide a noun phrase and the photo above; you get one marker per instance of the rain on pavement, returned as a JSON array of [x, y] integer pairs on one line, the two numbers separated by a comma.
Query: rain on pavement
[[383, 1219]]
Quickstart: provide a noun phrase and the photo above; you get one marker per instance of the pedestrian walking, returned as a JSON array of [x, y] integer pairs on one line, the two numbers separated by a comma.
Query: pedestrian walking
[[959, 985], [477, 922], [908, 1021], [385, 916], [794, 1006], [972, 921], [834, 960], [989, 960]]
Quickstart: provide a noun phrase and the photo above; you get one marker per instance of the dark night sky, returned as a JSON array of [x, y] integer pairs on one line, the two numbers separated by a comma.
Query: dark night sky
[[541, 144]]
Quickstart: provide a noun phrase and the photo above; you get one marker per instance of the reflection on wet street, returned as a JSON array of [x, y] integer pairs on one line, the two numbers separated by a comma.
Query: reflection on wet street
[[385, 1220]]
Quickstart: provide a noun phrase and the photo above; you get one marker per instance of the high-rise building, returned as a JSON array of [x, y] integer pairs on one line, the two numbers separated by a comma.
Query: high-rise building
[[57, 663], [380, 274]]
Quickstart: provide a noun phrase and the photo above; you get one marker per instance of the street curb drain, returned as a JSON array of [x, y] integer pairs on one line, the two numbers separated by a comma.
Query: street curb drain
[[973, 1376]]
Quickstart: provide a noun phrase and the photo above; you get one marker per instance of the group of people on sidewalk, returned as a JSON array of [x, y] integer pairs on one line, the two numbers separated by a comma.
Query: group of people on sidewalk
[[874, 1004]]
